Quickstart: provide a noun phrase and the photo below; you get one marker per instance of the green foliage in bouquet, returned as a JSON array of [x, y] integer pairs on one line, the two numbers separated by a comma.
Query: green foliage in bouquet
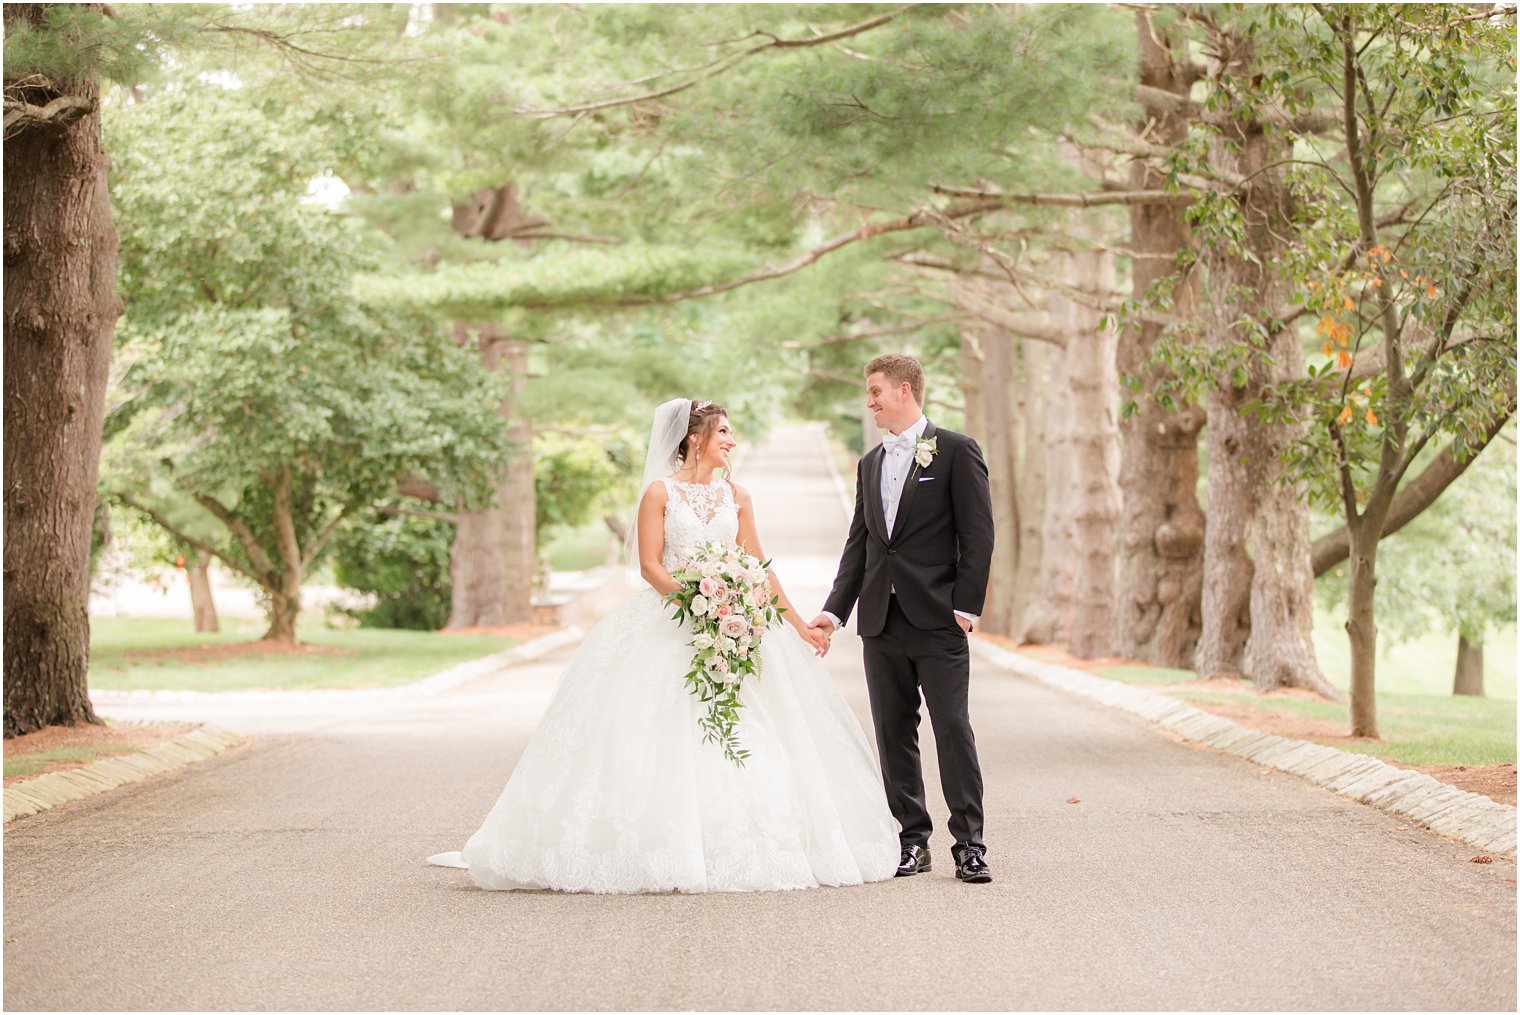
[[726, 599]]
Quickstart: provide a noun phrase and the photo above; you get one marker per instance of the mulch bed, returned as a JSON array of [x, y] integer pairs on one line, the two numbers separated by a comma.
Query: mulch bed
[[1497, 782], [101, 741], [234, 650]]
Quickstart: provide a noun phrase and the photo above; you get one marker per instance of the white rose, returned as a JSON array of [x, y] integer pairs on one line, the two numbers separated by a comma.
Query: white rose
[[699, 606], [727, 644], [702, 641]]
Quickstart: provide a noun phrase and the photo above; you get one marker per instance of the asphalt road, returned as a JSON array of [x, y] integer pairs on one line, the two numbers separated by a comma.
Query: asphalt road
[[288, 873]]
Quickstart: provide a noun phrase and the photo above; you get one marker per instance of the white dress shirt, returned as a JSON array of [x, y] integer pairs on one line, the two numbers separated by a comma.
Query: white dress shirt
[[896, 464]]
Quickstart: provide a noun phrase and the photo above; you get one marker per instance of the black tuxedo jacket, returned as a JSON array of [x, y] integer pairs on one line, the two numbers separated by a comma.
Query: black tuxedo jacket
[[940, 553]]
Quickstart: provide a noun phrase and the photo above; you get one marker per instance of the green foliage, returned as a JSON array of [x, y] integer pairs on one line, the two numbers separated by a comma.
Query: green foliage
[[575, 477], [1451, 569], [404, 562], [242, 356]]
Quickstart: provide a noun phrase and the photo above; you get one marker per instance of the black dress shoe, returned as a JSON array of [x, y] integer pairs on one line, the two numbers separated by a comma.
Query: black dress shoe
[[915, 860], [971, 865]]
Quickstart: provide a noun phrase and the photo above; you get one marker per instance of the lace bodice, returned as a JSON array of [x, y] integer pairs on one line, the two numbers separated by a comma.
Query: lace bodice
[[697, 513]]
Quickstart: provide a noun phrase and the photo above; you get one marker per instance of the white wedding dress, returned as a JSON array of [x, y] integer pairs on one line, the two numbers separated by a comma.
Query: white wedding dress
[[616, 792]]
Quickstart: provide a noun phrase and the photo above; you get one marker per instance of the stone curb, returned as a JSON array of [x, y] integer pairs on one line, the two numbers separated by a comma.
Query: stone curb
[[54, 788], [1470, 817], [426, 687]]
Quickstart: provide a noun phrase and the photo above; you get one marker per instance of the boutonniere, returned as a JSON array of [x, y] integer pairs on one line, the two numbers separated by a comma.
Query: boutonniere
[[925, 450]]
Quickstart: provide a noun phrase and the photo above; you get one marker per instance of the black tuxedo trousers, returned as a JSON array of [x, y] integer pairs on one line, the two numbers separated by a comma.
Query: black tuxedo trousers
[[902, 661]]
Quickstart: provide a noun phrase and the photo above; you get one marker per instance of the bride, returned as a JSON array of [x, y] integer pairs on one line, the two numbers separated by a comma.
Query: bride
[[616, 792]]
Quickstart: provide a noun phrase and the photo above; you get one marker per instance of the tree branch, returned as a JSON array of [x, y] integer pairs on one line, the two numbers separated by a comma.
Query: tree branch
[[717, 67], [243, 534], [61, 112], [188, 539], [1093, 200], [1414, 497], [918, 220]]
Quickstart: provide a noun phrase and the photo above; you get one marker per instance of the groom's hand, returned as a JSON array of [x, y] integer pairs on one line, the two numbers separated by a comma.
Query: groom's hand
[[965, 624]]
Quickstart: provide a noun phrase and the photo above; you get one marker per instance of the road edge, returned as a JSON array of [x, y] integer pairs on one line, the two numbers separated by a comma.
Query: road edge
[[1468, 817], [32, 796]]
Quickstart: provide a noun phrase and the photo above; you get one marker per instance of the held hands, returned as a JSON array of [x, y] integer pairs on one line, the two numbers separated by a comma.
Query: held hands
[[819, 633], [817, 638]]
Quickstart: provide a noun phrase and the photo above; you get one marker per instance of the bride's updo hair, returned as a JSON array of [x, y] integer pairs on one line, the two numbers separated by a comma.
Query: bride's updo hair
[[703, 421]]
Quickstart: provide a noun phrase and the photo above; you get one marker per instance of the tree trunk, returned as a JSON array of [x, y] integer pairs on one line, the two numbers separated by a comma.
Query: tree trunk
[[1032, 393], [989, 360], [491, 564], [1049, 619], [1259, 523], [1469, 676], [1001, 452], [285, 597], [1361, 627], [1094, 383], [60, 311], [1161, 529], [492, 561], [202, 604], [1225, 623]]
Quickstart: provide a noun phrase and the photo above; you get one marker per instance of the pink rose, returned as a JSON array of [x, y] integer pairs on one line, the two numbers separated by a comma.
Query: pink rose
[[720, 664], [733, 627], [721, 593], [708, 587], [724, 611]]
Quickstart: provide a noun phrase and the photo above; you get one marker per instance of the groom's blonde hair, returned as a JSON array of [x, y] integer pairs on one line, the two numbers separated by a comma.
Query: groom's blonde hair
[[898, 368]]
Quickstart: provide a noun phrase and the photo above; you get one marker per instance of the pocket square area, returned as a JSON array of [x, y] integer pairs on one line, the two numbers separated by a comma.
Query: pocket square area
[[926, 479]]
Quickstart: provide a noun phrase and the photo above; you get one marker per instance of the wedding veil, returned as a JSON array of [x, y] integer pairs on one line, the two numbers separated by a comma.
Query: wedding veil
[[665, 435]]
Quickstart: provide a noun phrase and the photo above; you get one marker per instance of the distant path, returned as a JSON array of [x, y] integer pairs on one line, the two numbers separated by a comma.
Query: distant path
[[288, 874]]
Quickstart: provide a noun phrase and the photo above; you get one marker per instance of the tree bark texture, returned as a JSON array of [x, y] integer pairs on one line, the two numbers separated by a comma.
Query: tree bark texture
[[1258, 527], [1469, 675], [1093, 379], [1049, 618], [1033, 390], [202, 603], [60, 312], [492, 561], [989, 381], [1161, 528]]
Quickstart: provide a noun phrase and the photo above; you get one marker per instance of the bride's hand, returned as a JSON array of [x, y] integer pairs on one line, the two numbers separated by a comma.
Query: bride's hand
[[816, 638]]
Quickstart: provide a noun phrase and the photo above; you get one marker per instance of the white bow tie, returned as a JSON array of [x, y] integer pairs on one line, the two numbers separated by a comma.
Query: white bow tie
[[894, 444]]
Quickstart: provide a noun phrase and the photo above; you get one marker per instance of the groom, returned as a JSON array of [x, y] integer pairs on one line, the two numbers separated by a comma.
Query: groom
[[917, 560]]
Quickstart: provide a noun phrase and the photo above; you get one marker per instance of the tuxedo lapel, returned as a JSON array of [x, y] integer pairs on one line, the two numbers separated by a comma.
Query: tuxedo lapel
[[872, 491], [910, 488]]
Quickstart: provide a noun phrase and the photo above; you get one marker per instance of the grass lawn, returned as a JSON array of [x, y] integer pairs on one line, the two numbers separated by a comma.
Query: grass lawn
[[1421, 721], [32, 764], [166, 654], [59, 747], [1417, 729], [580, 549]]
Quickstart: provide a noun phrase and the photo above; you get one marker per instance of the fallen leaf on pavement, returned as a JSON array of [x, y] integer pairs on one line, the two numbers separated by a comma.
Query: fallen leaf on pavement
[[1485, 858], [1072, 800]]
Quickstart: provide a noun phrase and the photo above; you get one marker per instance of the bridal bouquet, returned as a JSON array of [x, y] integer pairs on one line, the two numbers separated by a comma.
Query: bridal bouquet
[[725, 596]]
